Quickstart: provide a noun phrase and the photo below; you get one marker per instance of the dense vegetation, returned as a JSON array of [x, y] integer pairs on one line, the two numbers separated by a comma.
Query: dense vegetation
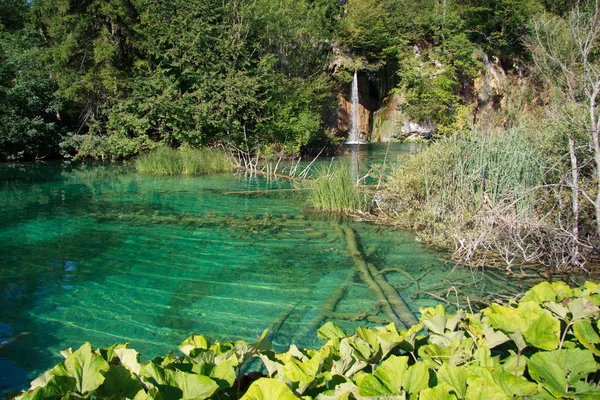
[[186, 161], [543, 347], [111, 78], [523, 187]]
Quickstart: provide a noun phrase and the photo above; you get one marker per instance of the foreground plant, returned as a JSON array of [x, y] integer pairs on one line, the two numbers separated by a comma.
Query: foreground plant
[[543, 347]]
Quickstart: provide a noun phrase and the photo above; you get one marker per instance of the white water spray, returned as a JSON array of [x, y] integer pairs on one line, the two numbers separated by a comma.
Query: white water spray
[[355, 122]]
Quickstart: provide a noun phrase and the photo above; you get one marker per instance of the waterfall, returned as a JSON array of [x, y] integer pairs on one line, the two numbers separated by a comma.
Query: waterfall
[[354, 137]]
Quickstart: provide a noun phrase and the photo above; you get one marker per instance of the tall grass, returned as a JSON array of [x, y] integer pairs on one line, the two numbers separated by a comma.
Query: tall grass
[[479, 194], [166, 161], [334, 190], [463, 172]]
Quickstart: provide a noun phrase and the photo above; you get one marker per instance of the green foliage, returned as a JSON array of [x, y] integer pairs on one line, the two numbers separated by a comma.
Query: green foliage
[[499, 26], [187, 161], [30, 125], [111, 78], [502, 352], [103, 147], [191, 73], [333, 189]]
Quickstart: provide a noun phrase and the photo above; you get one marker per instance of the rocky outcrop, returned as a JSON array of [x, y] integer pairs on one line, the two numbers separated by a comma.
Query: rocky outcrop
[[390, 123], [412, 130], [489, 85]]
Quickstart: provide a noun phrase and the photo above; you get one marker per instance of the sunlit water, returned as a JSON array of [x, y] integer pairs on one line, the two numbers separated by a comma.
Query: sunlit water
[[103, 254]]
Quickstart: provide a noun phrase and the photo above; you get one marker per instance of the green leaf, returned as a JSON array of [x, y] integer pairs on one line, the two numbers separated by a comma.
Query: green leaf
[[436, 323], [560, 368], [245, 351], [391, 372], [582, 308], [86, 367], [195, 386], [514, 386], [369, 385], [269, 389], [454, 377], [42, 380], [493, 337], [119, 382], [371, 338], [225, 371], [481, 389], [543, 332], [557, 309], [153, 374], [506, 319], [330, 331], [540, 293], [587, 336], [441, 392], [510, 363], [363, 351], [416, 378], [192, 343], [305, 372], [274, 367], [130, 359]]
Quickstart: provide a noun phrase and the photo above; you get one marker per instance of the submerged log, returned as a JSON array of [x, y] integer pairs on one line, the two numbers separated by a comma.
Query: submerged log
[[328, 307], [352, 317], [391, 303]]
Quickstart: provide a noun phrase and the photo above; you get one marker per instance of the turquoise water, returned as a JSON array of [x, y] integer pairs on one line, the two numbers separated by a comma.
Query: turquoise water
[[103, 254]]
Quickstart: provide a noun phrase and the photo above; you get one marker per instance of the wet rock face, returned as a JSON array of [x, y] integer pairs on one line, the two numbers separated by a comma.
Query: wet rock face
[[368, 103]]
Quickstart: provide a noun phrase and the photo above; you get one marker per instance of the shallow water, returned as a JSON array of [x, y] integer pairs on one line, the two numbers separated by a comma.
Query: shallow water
[[103, 254]]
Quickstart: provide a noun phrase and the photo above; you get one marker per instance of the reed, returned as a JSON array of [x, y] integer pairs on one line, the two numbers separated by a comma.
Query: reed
[[462, 173], [476, 194], [166, 161], [204, 161], [334, 190]]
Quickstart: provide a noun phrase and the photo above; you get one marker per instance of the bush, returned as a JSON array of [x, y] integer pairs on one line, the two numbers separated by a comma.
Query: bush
[[334, 190], [544, 346], [187, 161]]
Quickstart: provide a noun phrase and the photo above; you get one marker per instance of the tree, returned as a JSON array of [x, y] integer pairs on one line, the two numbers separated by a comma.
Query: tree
[[566, 53], [30, 126]]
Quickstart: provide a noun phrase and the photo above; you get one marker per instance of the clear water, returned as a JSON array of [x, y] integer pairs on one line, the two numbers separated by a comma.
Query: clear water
[[103, 254]]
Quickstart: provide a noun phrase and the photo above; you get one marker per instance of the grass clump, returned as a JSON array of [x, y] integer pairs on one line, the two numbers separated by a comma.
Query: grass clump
[[334, 190], [166, 161]]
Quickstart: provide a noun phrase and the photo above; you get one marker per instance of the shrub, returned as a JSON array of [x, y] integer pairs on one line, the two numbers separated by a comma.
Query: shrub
[[544, 346]]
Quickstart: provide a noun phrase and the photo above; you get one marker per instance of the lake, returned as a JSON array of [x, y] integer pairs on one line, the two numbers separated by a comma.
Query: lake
[[100, 253]]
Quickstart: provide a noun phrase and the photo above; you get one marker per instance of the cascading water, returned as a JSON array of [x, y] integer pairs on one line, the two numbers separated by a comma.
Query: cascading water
[[355, 123]]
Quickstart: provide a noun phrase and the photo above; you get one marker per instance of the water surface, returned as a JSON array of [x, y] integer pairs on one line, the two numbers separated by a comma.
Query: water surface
[[103, 254]]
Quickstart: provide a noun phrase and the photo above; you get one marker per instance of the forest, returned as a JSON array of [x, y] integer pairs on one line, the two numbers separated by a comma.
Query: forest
[[110, 79]]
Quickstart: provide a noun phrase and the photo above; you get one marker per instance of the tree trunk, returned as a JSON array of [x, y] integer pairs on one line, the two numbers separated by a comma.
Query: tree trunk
[[574, 203]]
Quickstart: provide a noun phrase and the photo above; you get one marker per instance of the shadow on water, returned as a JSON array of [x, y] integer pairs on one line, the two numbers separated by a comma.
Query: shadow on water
[[45, 269]]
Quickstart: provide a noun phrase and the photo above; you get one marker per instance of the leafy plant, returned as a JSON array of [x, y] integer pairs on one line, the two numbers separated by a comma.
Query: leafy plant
[[543, 347]]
